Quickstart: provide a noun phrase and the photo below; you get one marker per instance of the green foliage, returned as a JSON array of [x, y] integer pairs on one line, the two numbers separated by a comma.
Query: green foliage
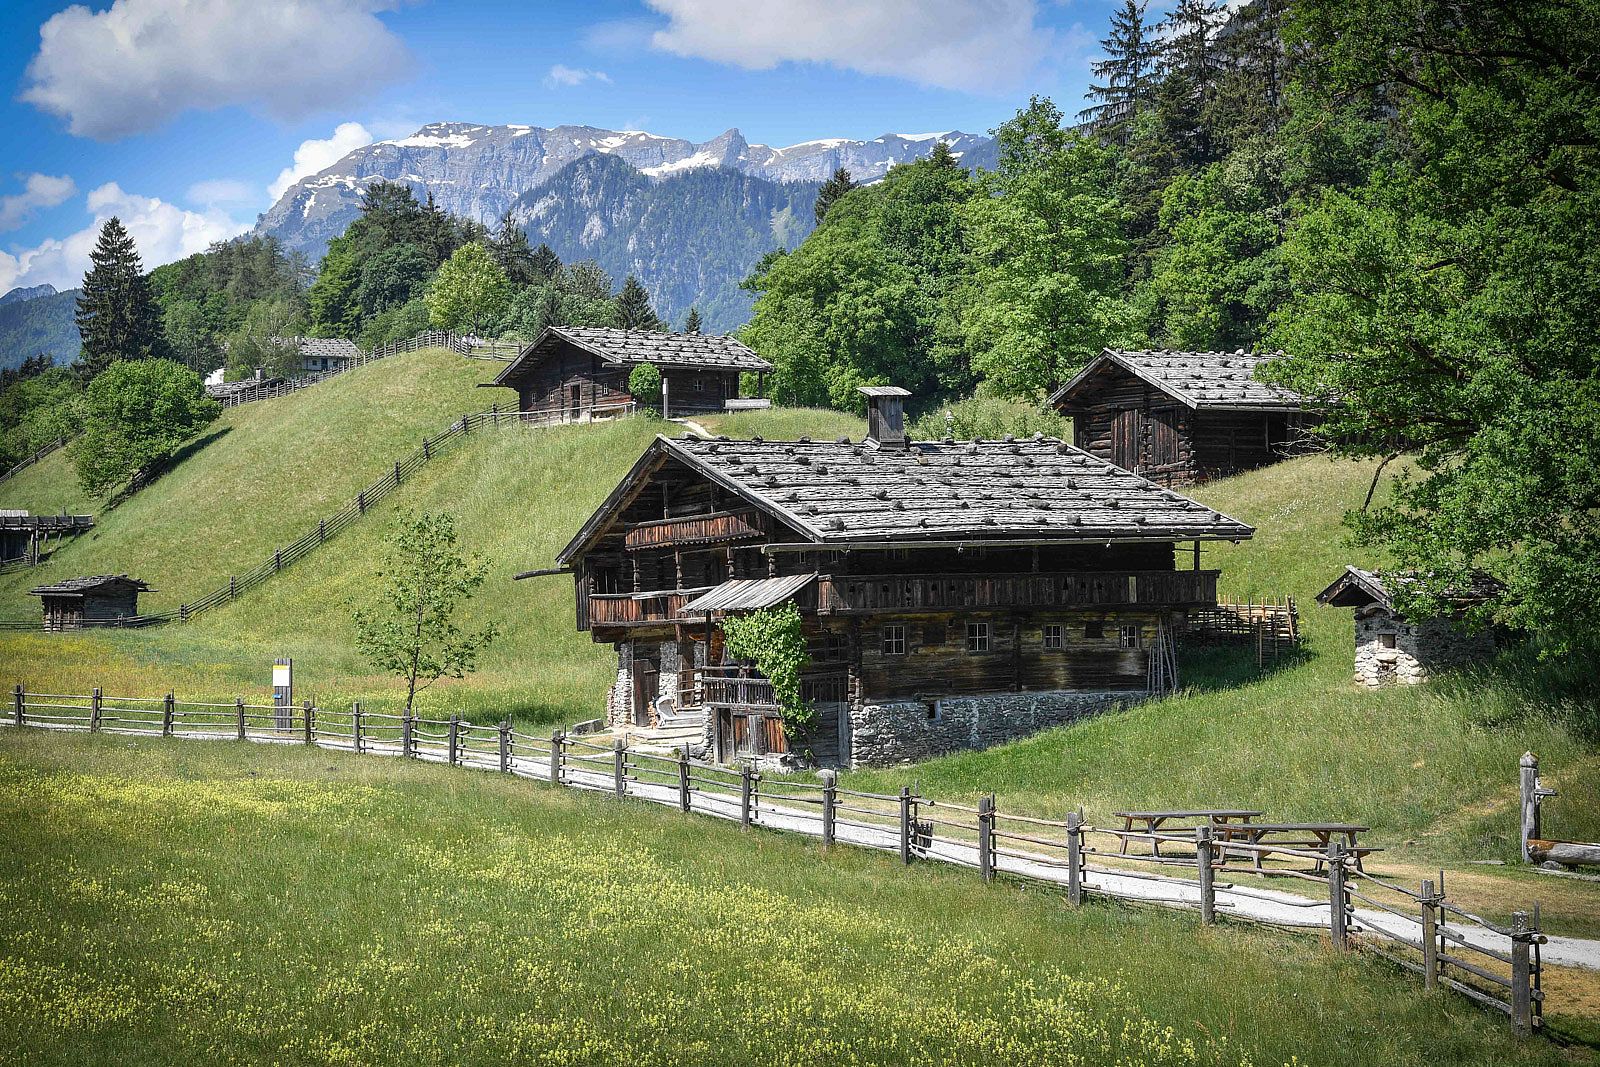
[[774, 640], [1125, 78], [514, 257], [42, 326], [691, 322], [644, 382], [469, 292], [335, 310], [38, 403], [390, 278], [264, 342], [206, 298], [117, 317], [136, 415], [633, 307], [836, 186], [396, 324], [411, 632], [989, 418]]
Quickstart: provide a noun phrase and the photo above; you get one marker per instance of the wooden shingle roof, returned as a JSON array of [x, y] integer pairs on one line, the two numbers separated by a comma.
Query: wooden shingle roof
[[632, 347], [328, 348], [1224, 380], [1032, 491], [1356, 588], [80, 586]]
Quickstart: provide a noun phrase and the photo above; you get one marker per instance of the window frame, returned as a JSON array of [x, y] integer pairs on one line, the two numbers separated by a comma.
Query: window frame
[[979, 639], [892, 634], [1130, 637], [1053, 636]]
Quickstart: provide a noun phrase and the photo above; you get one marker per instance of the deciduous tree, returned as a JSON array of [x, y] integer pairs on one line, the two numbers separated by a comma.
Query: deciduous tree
[[469, 292], [136, 415]]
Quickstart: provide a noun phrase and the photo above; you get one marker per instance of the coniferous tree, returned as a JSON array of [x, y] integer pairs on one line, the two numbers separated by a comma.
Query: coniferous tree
[[546, 264], [832, 189], [1189, 73], [691, 324], [1128, 74], [633, 307], [509, 246], [117, 317]]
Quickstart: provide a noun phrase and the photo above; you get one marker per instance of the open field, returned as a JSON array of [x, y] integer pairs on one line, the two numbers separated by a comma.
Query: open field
[[188, 901]]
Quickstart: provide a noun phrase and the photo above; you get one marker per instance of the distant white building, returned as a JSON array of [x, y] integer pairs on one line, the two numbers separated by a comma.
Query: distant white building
[[1394, 650]]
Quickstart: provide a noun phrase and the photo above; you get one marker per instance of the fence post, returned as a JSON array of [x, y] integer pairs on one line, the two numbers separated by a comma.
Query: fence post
[[830, 800], [905, 824], [1336, 895], [683, 780], [233, 586], [397, 473], [94, 710], [427, 449], [322, 530], [454, 738], [405, 735], [986, 837], [183, 613], [361, 502], [355, 723], [1074, 858], [238, 707], [744, 797], [308, 716], [1521, 975], [1430, 935], [16, 705], [277, 560], [619, 766], [168, 713], [555, 757], [1208, 891], [505, 747]]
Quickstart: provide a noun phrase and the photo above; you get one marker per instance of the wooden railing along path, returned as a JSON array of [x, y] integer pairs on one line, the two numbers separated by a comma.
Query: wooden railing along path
[[1420, 931], [25, 463]]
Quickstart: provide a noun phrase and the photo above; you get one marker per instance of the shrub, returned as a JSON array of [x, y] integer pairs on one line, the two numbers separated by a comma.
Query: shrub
[[645, 385], [990, 418], [137, 414], [774, 640]]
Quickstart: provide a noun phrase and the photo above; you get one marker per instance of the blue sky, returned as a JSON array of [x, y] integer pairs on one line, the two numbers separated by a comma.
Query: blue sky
[[182, 116]]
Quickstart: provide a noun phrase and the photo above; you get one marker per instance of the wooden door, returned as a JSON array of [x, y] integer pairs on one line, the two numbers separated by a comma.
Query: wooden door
[[644, 690], [575, 401], [1125, 426]]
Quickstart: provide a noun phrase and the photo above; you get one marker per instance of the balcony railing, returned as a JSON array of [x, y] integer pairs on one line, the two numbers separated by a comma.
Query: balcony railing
[[743, 688], [622, 609], [1077, 589], [712, 528]]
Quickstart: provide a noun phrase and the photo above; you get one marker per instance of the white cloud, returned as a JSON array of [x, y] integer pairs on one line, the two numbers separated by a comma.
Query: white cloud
[[564, 76], [975, 45], [218, 191], [138, 64], [38, 191], [163, 232], [316, 155]]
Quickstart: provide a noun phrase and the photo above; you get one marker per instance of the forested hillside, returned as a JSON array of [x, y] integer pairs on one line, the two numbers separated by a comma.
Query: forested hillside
[[38, 326]]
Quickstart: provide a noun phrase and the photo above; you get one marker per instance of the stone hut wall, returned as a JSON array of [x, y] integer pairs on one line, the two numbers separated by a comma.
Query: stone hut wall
[[1419, 648]]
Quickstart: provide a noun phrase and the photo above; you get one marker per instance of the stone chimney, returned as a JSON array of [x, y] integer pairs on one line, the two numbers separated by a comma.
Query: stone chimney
[[886, 415]]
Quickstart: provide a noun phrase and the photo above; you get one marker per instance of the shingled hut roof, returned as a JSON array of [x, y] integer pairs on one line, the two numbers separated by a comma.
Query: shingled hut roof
[[80, 586], [1225, 380], [839, 493], [328, 348], [632, 347], [1356, 588]]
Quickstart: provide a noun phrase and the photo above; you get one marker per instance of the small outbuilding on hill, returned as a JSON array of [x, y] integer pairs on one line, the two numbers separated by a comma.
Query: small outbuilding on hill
[[1391, 649], [1181, 417], [100, 600]]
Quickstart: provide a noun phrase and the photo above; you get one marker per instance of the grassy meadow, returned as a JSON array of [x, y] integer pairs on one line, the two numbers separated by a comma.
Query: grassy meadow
[[169, 902]]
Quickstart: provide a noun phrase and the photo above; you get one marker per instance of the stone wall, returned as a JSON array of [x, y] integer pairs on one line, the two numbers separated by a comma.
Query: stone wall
[[904, 731], [1420, 648], [619, 700]]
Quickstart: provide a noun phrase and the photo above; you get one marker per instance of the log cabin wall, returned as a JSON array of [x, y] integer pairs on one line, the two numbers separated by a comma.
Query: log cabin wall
[[1124, 420], [551, 382], [699, 390]]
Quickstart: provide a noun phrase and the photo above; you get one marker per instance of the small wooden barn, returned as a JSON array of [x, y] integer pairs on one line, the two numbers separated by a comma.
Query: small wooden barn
[[1394, 650], [319, 354], [581, 372], [24, 537], [100, 600], [1181, 417]]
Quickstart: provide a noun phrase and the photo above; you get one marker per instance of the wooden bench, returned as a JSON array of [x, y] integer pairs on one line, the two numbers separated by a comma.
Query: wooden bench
[[1216, 818], [1311, 836]]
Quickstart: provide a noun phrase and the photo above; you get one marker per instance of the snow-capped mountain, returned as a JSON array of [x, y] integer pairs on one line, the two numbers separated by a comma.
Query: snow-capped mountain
[[479, 171]]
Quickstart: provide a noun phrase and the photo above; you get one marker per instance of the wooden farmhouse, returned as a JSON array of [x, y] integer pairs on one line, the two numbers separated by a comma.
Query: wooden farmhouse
[[319, 354], [102, 600], [1394, 650], [1181, 417], [581, 372], [955, 594]]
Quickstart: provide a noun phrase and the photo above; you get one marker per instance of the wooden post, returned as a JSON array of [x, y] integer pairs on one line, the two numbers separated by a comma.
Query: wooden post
[[744, 798], [355, 724], [238, 707], [94, 710], [405, 735], [322, 530], [454, 740], [397, 474], [556, 739], [505, 747], [1430, 935], [905, 824], [619, 766], [683, 780], [1528, 780], [986, 837], [277, 560], [233, 586], [1336, 896], [1208, 889], [1521, 975], [361, 502], [308, 720], [1074, 858], [427, 449], [168, 713], [16, 705], [830, 801]]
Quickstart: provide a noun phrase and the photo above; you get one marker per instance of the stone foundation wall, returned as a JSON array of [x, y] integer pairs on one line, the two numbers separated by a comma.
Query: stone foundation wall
[[904, 731], [1420, 648], [619, 699]]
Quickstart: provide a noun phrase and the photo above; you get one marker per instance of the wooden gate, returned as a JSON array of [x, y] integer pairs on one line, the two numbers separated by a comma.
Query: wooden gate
[[1125, 427]]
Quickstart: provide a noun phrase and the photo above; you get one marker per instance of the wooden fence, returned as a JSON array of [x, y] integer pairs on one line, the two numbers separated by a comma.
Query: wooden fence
[[402, 470], [1420, 931], [24, 464], [1271, 623]]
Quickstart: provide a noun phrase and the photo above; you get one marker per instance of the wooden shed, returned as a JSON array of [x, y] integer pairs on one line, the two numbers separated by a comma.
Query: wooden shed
[[581, 372], [100, 600], [1182, 417], [1391, 649], [24, 537]]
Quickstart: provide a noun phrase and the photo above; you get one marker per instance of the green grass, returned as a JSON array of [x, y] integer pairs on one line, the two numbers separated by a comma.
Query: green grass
[[170, 902]]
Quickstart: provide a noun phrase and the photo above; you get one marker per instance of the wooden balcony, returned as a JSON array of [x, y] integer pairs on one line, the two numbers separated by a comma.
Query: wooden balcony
[[713, 528], [629, 609], [1005, 592]]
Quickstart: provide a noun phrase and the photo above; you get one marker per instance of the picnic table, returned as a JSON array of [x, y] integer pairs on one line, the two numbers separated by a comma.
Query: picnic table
[[1297, 835], [1217, 818]]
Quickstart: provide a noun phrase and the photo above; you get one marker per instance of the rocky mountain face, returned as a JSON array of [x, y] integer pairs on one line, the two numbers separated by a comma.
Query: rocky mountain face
[[27, 292]]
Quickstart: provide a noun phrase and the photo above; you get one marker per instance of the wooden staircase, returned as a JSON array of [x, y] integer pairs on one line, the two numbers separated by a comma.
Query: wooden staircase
[[687, 729]]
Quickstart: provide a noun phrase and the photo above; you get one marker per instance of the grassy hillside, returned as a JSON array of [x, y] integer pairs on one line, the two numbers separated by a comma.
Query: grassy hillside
[[303, 907]]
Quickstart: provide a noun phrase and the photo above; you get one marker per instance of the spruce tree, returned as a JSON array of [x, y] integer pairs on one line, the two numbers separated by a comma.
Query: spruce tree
[[118, 317], [832, 189], [509, 246], [691, 324], [546, 264], [633, 307], [1126, 77], [1190, 73]]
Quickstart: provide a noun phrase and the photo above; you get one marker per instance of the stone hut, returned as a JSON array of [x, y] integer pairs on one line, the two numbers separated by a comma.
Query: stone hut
[[100, 600], [1394, 650]]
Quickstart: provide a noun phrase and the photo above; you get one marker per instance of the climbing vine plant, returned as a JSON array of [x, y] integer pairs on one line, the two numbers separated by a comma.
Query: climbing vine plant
[[774, 640]]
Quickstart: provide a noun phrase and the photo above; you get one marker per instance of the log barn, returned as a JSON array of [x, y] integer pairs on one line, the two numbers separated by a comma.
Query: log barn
[[1180, 418], [581, 372], [100, 600], [955, 594], [1394, 650]]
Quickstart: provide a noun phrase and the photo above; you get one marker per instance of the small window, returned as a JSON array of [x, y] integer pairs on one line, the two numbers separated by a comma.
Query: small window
[[977, 637], [1386, 640], [899, 555], [1128, 637], [1052, 637], [894, 640], [699, 385], [1094, 630]]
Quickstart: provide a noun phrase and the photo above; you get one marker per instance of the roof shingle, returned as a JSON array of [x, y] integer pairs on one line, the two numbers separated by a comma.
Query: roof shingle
[[1199, 379], [631, 347]]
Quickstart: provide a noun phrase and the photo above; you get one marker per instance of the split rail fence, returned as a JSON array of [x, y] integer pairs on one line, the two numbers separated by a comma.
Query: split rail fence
[[1420, 931], [401, 472], [25, 463]]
